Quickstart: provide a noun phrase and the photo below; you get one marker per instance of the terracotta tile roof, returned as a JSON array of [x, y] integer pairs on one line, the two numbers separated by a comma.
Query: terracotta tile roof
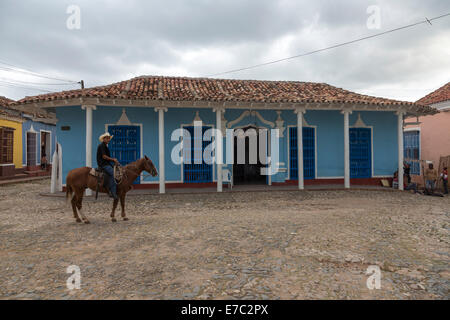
[[8, 107], [218, 90], [5, 102], [440, 95], [6, 112]]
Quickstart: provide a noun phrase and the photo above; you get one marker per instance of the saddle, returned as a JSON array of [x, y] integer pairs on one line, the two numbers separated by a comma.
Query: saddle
[[100, 176], [97, 172]]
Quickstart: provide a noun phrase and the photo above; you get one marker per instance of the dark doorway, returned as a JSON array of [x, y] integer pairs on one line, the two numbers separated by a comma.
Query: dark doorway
[[31, 149], [248, 172], [45, 145]]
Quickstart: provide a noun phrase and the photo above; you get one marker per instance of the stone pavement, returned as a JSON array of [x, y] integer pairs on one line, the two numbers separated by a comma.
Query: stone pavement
[[239, 245]]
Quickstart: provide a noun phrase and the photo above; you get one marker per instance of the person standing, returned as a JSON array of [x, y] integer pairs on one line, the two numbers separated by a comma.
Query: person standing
[[407, 171], [444, 177], [105, 162], [430, 178]]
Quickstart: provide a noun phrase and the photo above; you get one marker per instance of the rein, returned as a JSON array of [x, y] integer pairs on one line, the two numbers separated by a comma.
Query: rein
[[118, 171]]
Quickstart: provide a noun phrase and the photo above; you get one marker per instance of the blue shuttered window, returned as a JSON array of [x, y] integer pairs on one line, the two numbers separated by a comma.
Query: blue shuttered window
[[125, 145], [196, 172], [411, 148], [360, 153], [309, 153]]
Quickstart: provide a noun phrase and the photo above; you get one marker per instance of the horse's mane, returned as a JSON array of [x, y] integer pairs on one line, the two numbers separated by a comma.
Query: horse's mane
[[133, 164]]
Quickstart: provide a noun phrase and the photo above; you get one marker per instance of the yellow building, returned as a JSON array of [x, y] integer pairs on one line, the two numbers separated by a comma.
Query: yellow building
[[10, 139], [15, 124]]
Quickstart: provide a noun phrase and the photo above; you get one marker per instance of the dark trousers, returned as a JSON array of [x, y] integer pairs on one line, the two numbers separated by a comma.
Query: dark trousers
[[445, 186], [110, 181]]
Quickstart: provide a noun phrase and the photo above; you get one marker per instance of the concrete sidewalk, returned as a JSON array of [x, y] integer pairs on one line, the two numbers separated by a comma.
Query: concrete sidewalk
[[22, 180], [236, 189]]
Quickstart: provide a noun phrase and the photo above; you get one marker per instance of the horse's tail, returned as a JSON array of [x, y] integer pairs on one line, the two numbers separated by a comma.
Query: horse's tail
[[69, 193]]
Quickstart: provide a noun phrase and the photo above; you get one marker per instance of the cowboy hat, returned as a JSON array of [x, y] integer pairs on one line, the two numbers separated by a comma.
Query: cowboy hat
[[106, 134]]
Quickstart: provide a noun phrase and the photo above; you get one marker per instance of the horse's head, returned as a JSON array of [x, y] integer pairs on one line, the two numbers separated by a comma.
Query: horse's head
[[150, 167]]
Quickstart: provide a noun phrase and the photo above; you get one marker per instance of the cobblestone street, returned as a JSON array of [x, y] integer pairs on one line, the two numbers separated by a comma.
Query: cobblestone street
[[248, 245]]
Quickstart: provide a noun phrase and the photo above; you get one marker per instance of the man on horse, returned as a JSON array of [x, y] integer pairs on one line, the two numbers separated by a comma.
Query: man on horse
[[104, 162]]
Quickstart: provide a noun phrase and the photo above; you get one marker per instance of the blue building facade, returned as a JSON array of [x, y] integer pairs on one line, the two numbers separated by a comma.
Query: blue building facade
[[325, 134], [314, 132], [44, 136]]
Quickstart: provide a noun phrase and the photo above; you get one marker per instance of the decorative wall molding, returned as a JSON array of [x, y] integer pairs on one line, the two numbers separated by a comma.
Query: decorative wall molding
[[88, 106], [238, 119], [250, 113], [300, 109], [280, 124], [347, 110], [224, 123], [163, 108], [197, 117], [305, 123], [260, 117], [32, 129], [359, 123], [123, 120]]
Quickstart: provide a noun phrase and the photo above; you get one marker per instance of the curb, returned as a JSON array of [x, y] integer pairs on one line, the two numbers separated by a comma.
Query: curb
[[22, 180], [63, 195]]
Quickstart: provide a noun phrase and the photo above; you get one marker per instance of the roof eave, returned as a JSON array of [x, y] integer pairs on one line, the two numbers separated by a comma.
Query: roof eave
[[412, 109]]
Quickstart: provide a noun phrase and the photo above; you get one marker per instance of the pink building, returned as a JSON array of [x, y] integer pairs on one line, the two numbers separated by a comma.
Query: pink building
[[428, 137]]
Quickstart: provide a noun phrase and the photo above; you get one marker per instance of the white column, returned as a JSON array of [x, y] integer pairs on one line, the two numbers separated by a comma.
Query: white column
[[161, 171], [301, 179], [346, 149], [219, 147], [88, 109], [400, 148]]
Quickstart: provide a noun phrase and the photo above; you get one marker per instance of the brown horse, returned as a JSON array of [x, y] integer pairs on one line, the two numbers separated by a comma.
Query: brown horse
[[79, 179]]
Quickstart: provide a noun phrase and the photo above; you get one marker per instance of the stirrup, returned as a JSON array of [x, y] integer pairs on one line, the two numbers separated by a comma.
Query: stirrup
[[112, 196]]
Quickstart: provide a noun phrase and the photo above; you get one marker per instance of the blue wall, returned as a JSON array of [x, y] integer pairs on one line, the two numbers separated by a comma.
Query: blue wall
[[38, 126], [329, 135], [73, 142]]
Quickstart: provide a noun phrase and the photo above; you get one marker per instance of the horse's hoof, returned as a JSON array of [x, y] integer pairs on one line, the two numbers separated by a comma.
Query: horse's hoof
[[78, 220], [113, 220], [125, 219], [87, 222]]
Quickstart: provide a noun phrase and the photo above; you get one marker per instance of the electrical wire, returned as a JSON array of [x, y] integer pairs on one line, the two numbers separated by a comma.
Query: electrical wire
[[38, 83], [12, 85], [13, 68], [428, 21]]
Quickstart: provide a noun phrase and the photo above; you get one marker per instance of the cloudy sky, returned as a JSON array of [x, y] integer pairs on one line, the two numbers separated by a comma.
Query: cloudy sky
[[118, 40]]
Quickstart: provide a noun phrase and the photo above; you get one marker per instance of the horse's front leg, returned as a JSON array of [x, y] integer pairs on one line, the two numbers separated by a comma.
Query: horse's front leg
[[74, 208], [80, 205], [122, 205], [116, 201]]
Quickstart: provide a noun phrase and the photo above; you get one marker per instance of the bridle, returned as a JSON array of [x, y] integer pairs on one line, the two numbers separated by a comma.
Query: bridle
[[124, 172]]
